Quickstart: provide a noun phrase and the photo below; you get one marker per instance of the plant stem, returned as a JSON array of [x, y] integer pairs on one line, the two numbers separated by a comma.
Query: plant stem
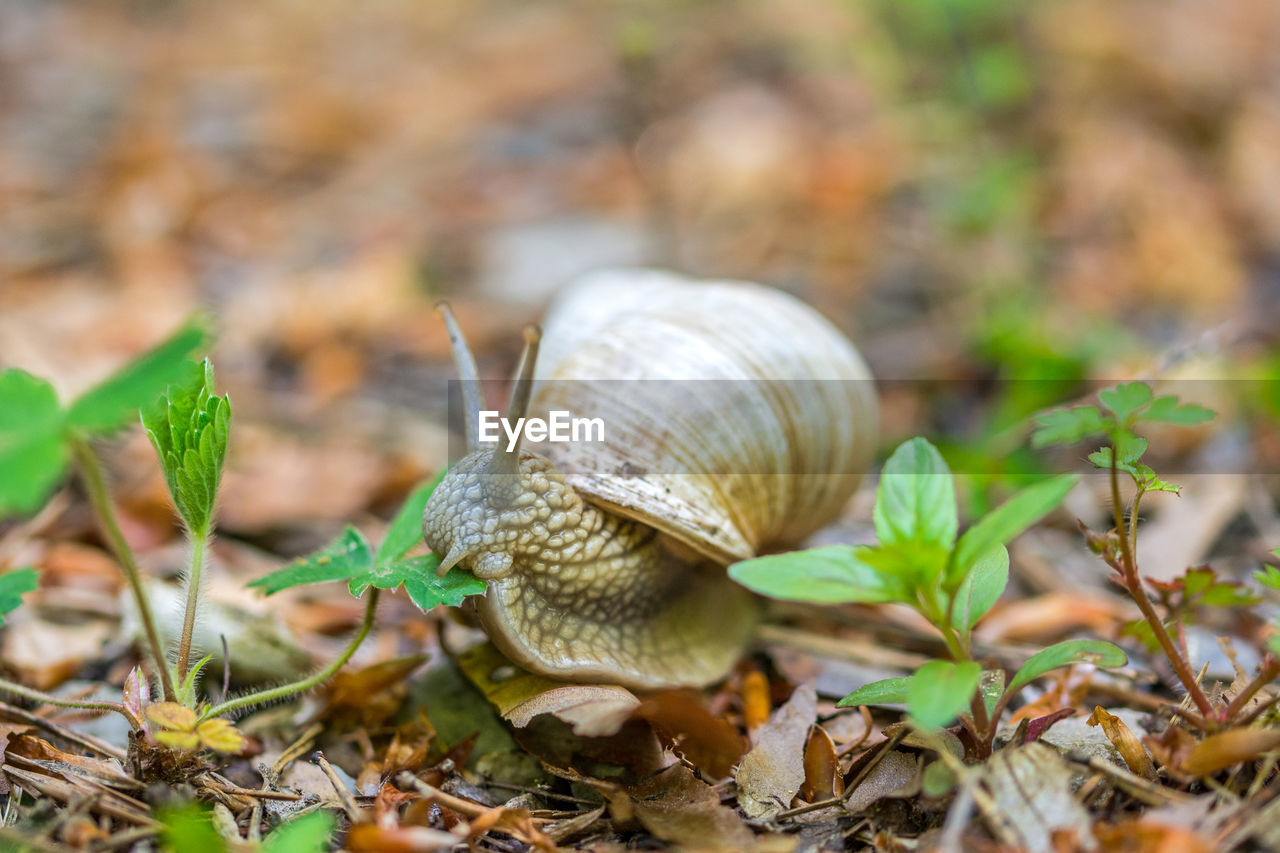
[[39, 696], [1270, 669], [1133, 583], [198, 542], [285, 690], [99, 497]]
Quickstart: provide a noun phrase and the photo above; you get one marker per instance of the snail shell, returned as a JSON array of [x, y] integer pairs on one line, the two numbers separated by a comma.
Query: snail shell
[[737, 420]]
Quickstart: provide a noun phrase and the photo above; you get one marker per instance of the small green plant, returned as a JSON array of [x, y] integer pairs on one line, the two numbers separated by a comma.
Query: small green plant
[[1121, 410], [952, 579], [189, 426]]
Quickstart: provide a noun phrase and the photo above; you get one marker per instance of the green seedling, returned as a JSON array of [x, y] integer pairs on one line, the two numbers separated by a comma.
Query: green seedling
[[1121, 410], [189, 426], [951, 579]]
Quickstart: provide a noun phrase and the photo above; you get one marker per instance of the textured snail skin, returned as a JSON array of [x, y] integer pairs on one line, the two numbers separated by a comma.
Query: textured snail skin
[[576, 592]]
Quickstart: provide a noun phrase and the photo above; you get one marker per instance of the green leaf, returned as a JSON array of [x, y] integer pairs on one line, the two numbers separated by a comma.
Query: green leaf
[[1268, 577], [1006, 521], [1125, 399], [186, 692], [418, 574], [937, 780], [188, 427], [940, 690], [1067, 426], [916, 499], [834, 574], [116, 401], [33, 455], [888, 691], [1167, 410], [345, 556], [307, 834], [992, 687], [187, 828], [14, 585], [981, 588], [1098, 652], [908, 566], [406, 528]]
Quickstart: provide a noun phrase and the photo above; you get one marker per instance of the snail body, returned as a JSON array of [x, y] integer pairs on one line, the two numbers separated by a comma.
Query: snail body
[[737, 420]]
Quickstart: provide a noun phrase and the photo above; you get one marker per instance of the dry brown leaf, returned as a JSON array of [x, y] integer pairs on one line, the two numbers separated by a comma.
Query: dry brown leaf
[[685, 724], [371, 838], [676, 806], [592, 710], [771, 774], [1222, 750], [822, 779], [1145, 836], [1125, 742], [1033, 804]]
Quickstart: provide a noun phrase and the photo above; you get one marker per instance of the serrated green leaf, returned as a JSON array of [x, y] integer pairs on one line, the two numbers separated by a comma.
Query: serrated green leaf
[[1125, 399], [342, 558], [1006, 521], [835, 574], [427, 590], [1168, 410], [1067, 426], [406, 528], [33, 455], [307, 834], [116, 401], [14, 585], [418, 574], [188, 427], [916, 499], [1098, 652], [981, 588], [888, 691], [940, 690]]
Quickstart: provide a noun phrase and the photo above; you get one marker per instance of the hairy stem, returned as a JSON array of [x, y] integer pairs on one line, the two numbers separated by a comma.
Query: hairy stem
[[100, 498], [42, 697], [285, 690], [199, 542], [1133, 583]]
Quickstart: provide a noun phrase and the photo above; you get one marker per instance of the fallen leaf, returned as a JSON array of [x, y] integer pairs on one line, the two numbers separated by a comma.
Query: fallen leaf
[[685, 724], [1222, 750], [676, 806], [822, 779], [1033, 805], [594, 710], [1125, 742], [771, 774]]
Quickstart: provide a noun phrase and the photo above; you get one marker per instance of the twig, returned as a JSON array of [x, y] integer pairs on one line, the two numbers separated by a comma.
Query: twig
[[348, 802]]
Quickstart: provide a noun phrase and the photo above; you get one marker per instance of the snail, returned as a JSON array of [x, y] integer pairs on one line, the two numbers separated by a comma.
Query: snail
[[737, 420]]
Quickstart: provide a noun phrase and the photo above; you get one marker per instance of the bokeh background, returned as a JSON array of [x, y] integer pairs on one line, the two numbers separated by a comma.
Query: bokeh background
[[976, 190]]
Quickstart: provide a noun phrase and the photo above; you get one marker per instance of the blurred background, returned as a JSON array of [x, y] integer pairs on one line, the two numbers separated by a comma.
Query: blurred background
[[977, 191]]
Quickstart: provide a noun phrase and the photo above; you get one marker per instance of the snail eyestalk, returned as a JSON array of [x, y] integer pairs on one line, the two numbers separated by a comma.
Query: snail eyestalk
[[508, 462], [468, 376]]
